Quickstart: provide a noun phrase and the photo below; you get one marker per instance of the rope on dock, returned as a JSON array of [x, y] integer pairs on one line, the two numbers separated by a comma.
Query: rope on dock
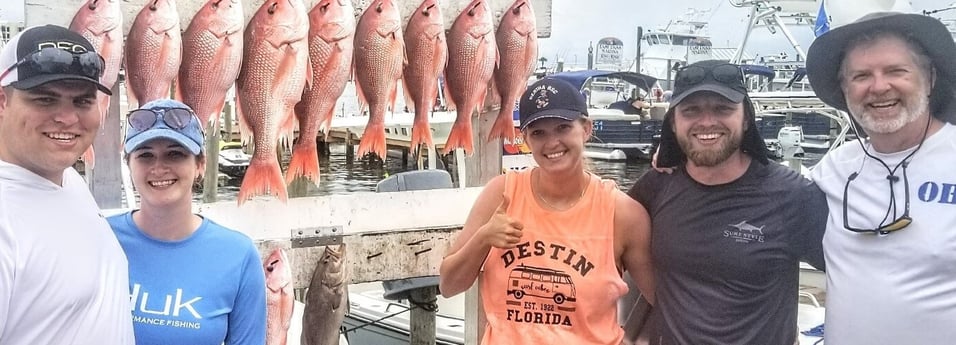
[[430, 306]]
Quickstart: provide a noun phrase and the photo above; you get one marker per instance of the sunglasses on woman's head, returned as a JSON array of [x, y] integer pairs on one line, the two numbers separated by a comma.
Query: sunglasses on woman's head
[[175, 118]]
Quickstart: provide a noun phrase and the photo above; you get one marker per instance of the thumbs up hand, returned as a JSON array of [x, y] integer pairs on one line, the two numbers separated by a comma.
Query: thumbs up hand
[[501, 231]]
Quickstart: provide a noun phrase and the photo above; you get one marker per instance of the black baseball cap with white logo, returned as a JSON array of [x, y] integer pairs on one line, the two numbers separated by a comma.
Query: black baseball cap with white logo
[[551, 98], [43, 54]]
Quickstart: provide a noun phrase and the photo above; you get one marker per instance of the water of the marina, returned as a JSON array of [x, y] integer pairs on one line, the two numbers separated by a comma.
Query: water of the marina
[[341, 176]]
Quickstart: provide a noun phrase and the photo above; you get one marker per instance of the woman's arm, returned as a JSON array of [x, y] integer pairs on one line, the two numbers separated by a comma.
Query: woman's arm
[[487, 226], [632, 237]]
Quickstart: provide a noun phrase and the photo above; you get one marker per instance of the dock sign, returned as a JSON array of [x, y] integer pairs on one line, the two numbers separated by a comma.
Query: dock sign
[[609, 52]]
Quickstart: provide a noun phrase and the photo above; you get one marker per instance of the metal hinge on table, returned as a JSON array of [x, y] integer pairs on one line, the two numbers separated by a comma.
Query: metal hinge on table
[[317, 236]]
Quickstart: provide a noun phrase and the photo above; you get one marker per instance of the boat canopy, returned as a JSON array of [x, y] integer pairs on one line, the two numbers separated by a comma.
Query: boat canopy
[[579, 78], [765, 71]]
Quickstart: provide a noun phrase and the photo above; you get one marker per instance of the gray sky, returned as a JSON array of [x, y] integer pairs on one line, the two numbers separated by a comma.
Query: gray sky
[[574, 25]]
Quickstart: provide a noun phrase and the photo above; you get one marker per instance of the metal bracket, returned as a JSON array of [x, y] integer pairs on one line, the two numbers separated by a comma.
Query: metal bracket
[[317, 236]]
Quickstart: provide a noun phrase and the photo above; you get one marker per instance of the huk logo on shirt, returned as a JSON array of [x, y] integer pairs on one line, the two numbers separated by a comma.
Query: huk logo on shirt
[[172, 310], [543, 295], [745, 233]]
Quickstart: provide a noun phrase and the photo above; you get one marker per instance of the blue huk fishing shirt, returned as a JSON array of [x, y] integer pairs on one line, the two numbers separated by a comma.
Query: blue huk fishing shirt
[[206, 289]]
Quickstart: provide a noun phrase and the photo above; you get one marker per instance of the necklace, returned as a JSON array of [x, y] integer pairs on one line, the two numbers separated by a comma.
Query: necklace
[[552, 206]]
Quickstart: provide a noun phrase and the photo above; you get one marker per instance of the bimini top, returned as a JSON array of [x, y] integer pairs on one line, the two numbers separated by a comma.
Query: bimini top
[[579, 78]]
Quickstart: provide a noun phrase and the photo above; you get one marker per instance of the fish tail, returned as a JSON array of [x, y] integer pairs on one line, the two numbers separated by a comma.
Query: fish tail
[[287, 128], [304, 162], [373, 139], [504, 127], [89, 158], [460, 135], [421, 130], [325, 121], [262, 177]]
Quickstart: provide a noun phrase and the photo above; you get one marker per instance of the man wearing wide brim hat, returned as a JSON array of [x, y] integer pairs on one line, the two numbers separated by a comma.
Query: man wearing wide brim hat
[[891, 231]]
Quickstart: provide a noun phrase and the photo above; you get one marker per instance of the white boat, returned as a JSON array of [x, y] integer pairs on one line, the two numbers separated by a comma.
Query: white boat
[[683, 40], [372, 319]]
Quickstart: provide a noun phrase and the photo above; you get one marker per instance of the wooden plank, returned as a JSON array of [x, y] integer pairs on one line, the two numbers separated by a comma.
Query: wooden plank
[[267, 219], [106, 180], [374, 256], [210, 185]]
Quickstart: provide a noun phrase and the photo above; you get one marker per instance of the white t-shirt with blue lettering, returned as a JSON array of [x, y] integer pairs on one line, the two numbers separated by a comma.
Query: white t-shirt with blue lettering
[[207, 289], [897, 288]]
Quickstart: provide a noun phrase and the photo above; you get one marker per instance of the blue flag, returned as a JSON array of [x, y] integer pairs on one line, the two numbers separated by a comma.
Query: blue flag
[[823, 21]]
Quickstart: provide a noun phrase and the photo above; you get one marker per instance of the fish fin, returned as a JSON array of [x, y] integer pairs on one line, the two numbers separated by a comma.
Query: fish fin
[[409, 102], [89, 158], [245, 132], [481, 102], [178, 89], [460, 135], [449, 101], [325, 121], [504, 127], [287, 127], [360, 95], [262, 177], [393, 95], [308, 72], [131, 100], [493, 91], [373, 138], [304, 162], [212, 119], [421, 130]]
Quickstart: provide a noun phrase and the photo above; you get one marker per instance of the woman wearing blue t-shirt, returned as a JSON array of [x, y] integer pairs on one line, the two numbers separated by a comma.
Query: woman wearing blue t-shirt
[[192, 281]]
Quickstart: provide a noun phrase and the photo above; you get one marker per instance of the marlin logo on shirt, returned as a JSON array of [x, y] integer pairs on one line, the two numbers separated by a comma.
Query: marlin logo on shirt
[[745, 233]]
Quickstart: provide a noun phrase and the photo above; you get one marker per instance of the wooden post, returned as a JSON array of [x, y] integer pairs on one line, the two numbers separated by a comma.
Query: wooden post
[[349, 148], [485, 163], [105, 178], [210, 184], [482, 166], [227, 120], [422, 322]]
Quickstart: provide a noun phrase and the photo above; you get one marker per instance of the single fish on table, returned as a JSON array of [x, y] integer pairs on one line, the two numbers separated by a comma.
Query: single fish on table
[[280, 297], [327, 299]]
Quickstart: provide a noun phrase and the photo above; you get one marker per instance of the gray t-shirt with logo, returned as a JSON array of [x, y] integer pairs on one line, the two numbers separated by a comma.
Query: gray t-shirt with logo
[[727, 256]]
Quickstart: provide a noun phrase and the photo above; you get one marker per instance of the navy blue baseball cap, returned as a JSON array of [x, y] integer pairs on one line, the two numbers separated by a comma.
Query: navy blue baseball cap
[[172, 120], [551, 98], [715, 76]]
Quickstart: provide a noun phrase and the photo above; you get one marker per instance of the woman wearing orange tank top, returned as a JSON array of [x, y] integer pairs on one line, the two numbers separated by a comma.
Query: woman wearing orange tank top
[[548, 243]]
